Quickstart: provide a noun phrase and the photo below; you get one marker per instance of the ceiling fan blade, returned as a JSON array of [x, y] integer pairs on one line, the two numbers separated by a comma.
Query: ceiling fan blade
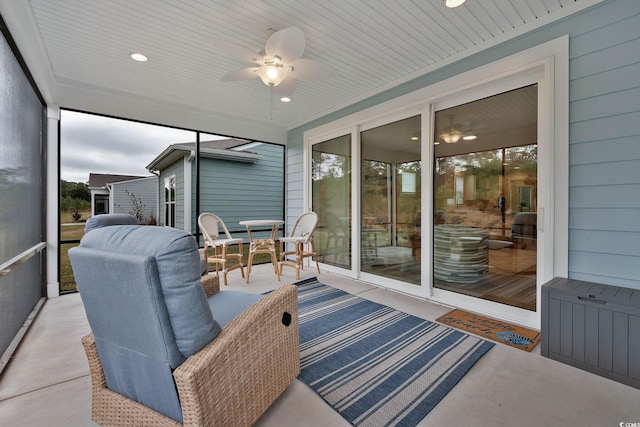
[[286, 88], [288, 44], [238, 52], [309, 69], [241, 74]]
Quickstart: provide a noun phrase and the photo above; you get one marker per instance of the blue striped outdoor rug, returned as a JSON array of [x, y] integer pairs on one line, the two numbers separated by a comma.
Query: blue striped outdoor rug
[[375, 365]]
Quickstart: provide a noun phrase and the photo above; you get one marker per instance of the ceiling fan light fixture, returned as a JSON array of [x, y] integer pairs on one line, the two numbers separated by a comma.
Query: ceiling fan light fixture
[[451, 136], [272, 75], [453, 3]]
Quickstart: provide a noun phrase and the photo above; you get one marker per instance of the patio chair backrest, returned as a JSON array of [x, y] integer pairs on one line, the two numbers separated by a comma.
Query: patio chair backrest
[[305, 225], [210, 225], [525, 225]]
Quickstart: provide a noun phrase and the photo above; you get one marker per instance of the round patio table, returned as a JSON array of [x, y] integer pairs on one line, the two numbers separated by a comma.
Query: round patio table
[[262, 245]]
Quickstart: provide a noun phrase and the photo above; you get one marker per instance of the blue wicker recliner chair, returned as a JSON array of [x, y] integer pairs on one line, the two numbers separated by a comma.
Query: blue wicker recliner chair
[[167, 347]]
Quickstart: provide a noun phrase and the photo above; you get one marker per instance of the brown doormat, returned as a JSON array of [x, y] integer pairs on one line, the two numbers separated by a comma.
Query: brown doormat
[[496, 330]]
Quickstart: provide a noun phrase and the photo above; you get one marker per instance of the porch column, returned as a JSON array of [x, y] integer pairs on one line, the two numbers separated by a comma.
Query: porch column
[[53, 202]]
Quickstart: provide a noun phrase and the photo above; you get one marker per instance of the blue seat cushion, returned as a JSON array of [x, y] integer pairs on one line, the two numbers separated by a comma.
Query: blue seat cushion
[[226, 305]]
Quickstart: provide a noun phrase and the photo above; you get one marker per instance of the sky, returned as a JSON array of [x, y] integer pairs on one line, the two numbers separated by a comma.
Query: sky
[[97, 144]]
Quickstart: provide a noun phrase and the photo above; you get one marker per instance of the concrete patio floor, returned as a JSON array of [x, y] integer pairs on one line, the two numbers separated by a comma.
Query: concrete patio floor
[[47, 382]]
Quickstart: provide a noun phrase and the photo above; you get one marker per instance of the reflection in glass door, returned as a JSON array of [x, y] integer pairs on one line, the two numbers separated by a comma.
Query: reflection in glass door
[[485, 198], [331, 200], [390, 237]]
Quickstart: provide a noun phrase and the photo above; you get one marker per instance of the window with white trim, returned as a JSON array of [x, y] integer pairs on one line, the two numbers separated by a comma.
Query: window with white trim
[[170, 201]]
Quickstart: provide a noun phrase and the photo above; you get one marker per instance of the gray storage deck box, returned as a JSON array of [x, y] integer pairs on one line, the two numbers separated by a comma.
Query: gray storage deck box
[[594, 327]]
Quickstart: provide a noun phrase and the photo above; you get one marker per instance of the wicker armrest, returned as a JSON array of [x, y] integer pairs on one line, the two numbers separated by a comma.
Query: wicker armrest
[[237, 376], [210, 284]]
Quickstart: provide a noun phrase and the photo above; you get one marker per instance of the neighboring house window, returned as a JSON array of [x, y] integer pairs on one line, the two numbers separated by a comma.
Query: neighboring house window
[[170, 201], [102, 204]]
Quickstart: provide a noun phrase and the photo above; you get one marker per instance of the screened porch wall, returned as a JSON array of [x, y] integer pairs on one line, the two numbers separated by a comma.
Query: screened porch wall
[[22, 191]]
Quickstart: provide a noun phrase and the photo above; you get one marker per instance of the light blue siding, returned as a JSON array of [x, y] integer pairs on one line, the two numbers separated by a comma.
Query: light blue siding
[[624, 269], [145, 190], [604, 173], [617, 149], [237, 191], [606, 219], [604, 135], [626, 172], [604, 197]]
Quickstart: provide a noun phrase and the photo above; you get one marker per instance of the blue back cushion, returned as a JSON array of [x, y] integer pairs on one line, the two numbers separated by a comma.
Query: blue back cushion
[[116, 292], [99, 221], [141, 289]]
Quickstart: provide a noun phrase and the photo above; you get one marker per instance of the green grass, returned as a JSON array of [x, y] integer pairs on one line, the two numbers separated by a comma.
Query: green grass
[[66, 217], [71, 230], [67, 281]]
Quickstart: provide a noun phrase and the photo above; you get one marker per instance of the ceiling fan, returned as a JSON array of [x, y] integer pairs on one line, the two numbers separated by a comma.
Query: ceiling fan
[[279, 65]]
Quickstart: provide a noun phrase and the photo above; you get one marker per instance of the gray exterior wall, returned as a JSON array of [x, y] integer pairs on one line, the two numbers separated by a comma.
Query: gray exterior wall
[[176, 169], [145, 189], [237, 191], [604, 129]]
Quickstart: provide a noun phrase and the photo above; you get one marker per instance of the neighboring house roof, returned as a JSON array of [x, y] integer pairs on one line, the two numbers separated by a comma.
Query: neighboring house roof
[[226, 149], [100, 180]]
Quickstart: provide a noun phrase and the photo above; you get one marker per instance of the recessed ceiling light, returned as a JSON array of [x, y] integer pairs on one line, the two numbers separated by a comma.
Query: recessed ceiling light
[[140, 57], [285, 99], [469, 137], [436, 143], [453, 3], [414, 138]]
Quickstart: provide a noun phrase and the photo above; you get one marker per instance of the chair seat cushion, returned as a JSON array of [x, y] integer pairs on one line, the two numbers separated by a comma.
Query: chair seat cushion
[[227, 242], [226, 305]]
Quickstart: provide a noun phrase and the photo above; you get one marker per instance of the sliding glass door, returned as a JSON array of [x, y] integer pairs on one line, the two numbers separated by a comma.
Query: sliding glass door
[[459, 189], [485, 188], [331, 200], [390, 198]]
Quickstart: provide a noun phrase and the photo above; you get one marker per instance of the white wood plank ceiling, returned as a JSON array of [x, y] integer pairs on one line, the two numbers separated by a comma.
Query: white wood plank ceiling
[[373, 44]]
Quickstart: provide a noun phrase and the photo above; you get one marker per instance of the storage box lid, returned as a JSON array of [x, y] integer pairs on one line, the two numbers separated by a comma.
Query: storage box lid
[[595, 291]]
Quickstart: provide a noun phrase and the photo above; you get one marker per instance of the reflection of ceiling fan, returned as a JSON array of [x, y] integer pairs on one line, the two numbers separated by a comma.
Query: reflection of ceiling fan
[[279, 65], [453, 132]]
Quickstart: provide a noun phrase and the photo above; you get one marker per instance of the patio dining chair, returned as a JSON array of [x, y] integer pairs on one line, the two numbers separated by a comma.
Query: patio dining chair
[[301, 235], [211, 227]]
